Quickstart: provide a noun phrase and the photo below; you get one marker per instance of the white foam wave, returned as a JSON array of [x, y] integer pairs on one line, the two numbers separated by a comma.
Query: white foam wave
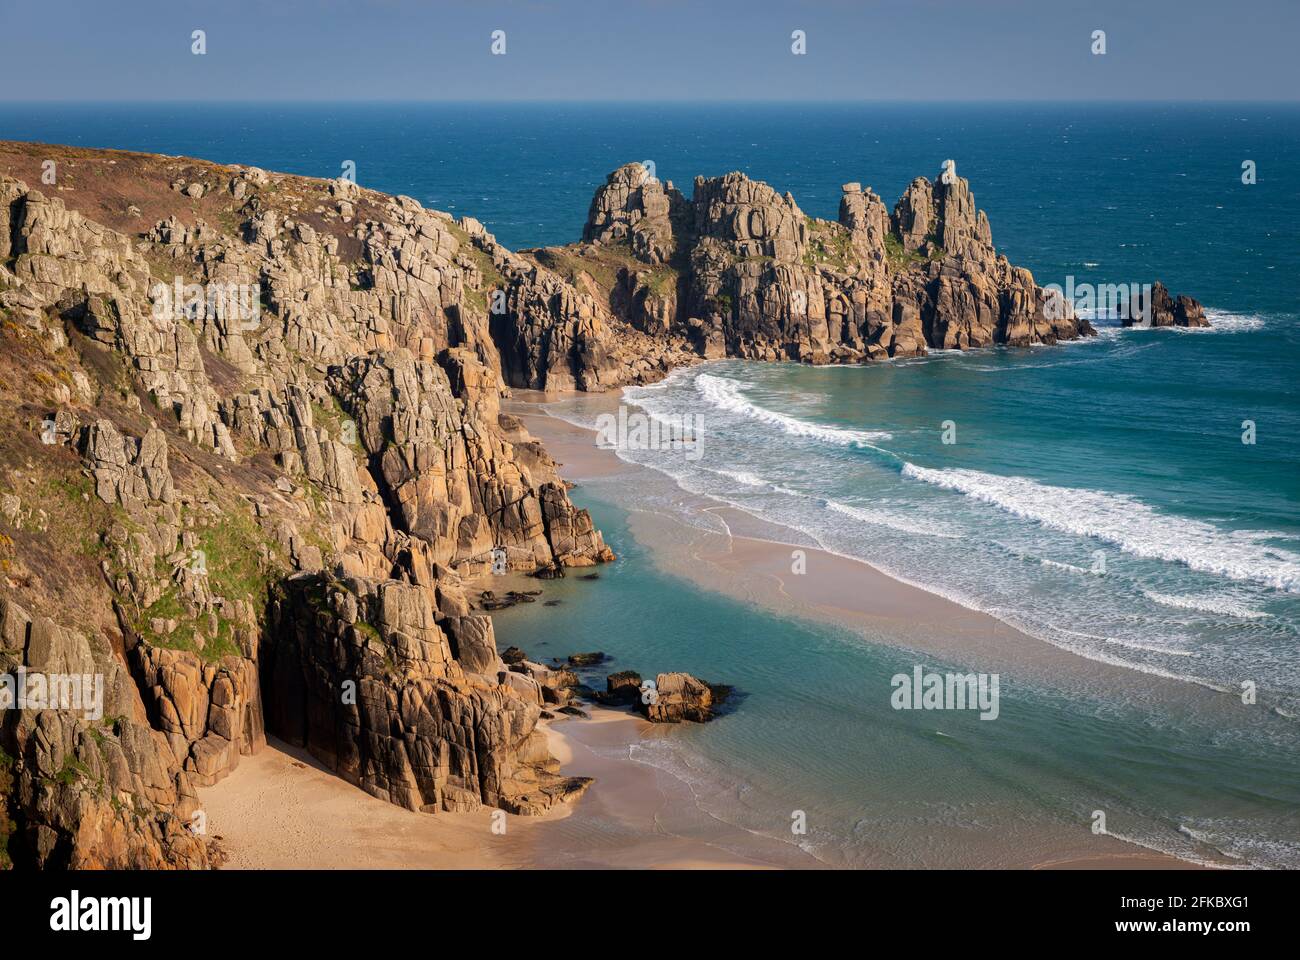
[[1206, 604], [1127, 523], [904, 524], [1222, 321], [1247, 850], [1057, 565], [1150, 647], [1172, 850], [743, 476], [725, 394]]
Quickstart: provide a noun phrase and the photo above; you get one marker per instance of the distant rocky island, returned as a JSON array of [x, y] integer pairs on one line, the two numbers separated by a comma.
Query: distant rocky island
[[254, 458]]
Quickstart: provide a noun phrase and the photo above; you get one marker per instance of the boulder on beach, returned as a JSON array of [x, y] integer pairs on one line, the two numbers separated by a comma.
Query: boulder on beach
[[621, 688], [679, 696], [556, 685]]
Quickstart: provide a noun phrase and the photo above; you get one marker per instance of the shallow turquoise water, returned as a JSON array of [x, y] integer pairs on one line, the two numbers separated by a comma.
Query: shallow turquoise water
[[1088, 496], [814, 730]]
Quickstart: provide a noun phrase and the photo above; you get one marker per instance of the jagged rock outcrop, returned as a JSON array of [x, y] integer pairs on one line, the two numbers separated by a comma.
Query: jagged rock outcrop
[[677, 697], [863, 214], [181, 448], [636, 208], [94, 786], [453, 481], [759, 279], [128, 471], [363, 676], [771, 283], [754, 277], [94, 277], [1158, 309]]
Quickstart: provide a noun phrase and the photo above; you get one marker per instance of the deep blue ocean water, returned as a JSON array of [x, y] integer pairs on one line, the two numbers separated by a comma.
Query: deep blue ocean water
[[1124, 451]]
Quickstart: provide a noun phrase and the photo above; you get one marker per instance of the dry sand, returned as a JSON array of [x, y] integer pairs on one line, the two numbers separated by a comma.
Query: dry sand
[[280, 809]]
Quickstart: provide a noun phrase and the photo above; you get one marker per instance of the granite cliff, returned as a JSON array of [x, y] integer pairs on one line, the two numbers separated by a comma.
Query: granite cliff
[[252, 454], [739, 270], [258, 515]]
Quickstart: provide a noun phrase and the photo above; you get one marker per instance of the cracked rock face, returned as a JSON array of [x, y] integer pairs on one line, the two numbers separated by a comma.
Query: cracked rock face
[[748, 274], [365, 678], [192, 479], [636, 208], [98, 793], [770, 283]]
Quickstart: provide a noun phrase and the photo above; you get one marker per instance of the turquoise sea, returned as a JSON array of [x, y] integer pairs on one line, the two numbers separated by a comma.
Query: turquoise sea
[[1098, 496]]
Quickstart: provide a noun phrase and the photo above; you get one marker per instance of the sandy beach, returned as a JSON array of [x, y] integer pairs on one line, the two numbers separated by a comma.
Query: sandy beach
[[750, 562], [280, 808], [753, 561]]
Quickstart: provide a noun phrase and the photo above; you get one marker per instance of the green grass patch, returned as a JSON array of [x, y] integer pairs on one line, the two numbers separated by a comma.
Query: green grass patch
[[829, 244], [897, 255], [492, 278], [233, 548], [76, 514], [232, 551], [369, 631]]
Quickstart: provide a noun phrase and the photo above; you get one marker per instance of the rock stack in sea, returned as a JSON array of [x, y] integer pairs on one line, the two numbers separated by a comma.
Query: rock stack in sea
[[740, 270], [1157, 308]]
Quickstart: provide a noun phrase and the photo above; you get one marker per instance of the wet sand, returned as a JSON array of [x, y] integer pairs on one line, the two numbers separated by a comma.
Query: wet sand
[[755, 561]]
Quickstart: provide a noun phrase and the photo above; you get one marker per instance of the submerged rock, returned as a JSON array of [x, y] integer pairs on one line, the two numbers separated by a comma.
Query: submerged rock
[[552, 571]]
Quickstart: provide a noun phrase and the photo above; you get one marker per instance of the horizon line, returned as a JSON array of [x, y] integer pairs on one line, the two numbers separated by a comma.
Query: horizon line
[[675, 101]]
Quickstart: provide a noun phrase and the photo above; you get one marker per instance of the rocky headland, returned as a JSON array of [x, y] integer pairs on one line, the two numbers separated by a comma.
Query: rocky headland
[[270, 514]]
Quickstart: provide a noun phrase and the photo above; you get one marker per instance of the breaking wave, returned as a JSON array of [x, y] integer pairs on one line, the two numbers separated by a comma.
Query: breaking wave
[[725, 394], [1128, 524]]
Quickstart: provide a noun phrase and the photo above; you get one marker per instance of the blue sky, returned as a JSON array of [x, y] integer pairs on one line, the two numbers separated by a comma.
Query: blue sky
[[651, 50]]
